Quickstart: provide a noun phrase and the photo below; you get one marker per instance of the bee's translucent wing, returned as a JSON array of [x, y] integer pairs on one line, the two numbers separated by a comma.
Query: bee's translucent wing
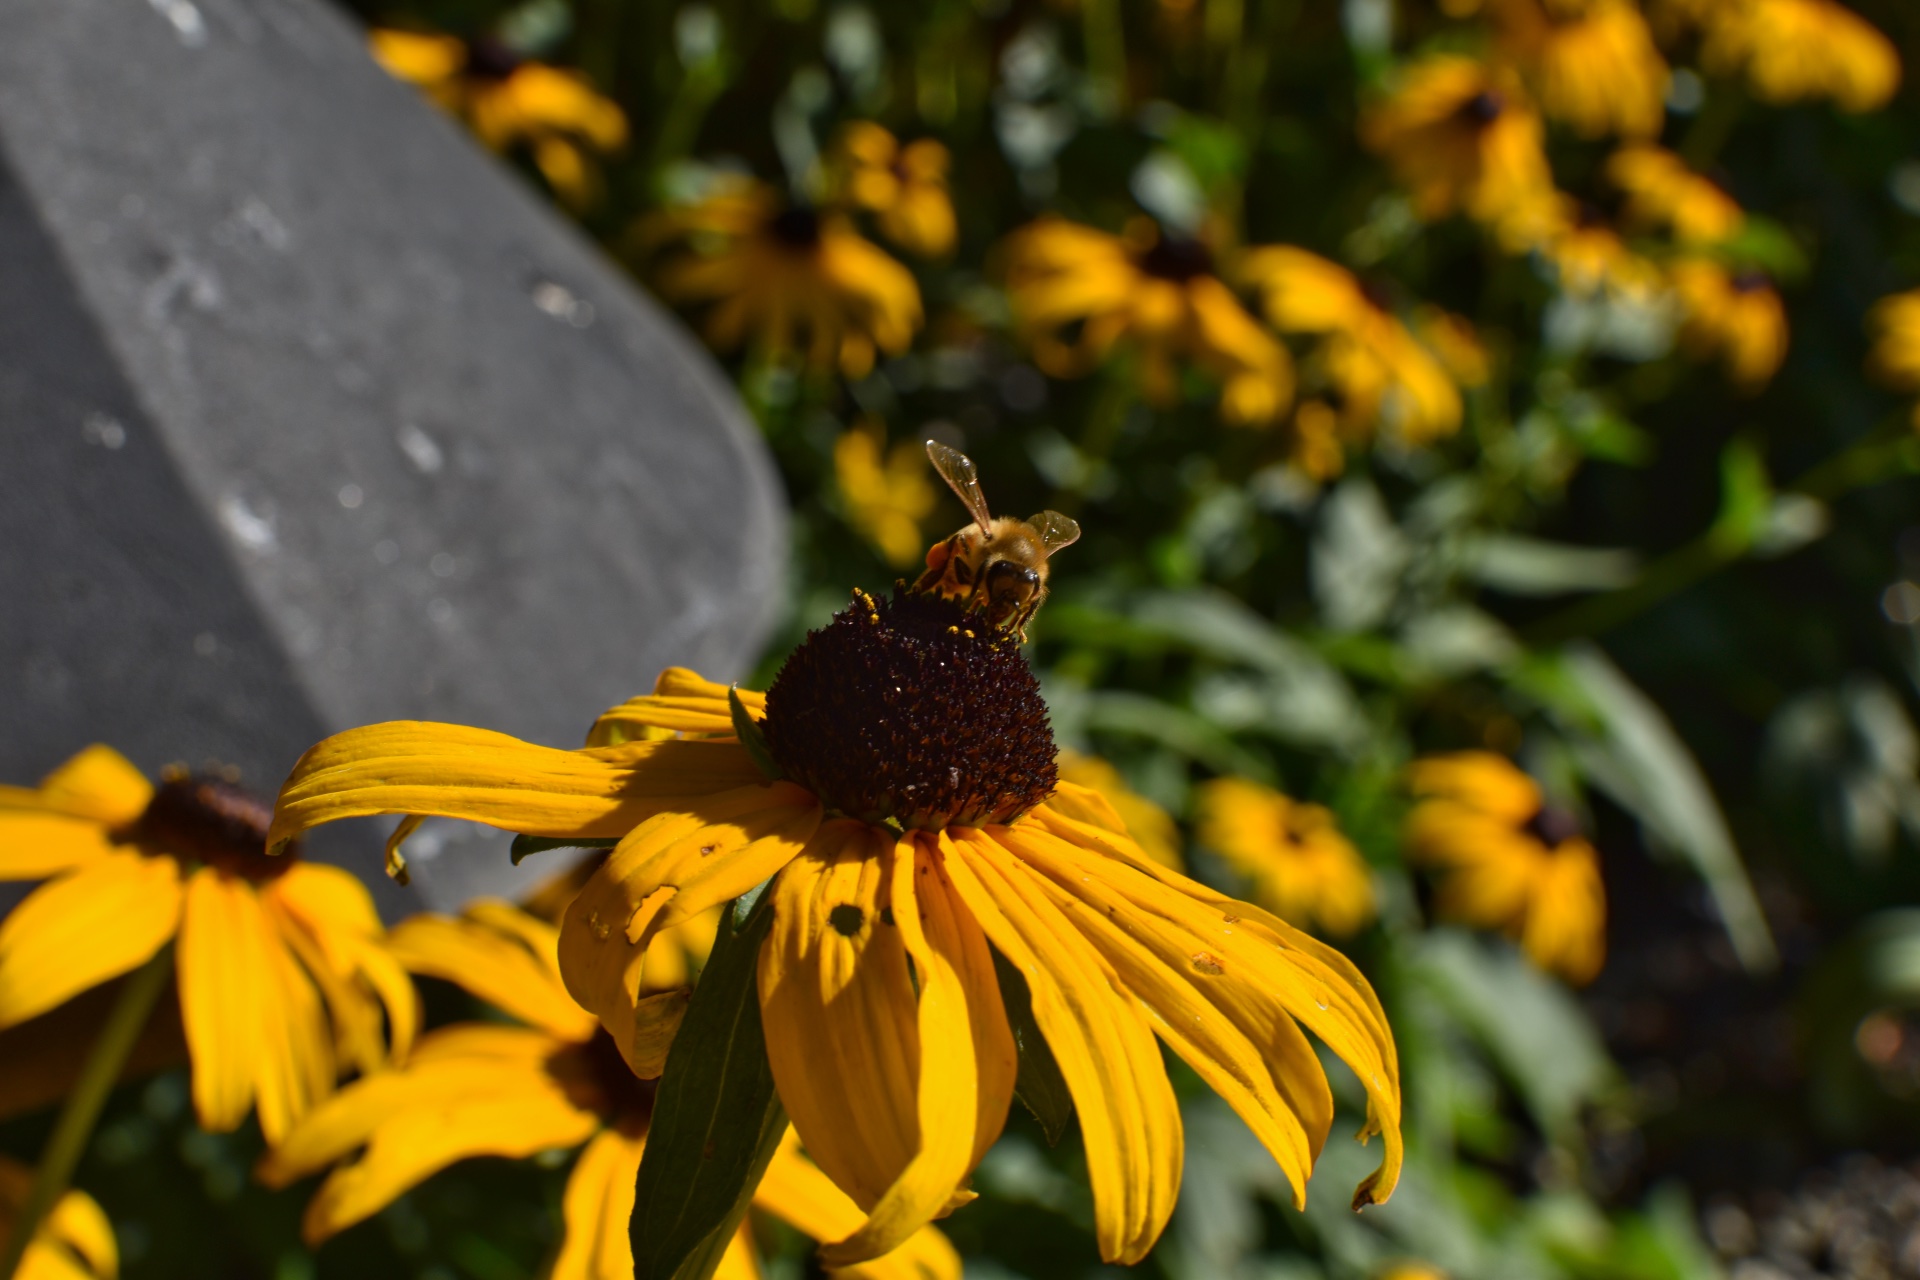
[[1055, 530], [957, 469]]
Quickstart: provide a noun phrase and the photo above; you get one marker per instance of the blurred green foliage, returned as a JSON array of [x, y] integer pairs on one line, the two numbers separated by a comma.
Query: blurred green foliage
[[1689, 612]]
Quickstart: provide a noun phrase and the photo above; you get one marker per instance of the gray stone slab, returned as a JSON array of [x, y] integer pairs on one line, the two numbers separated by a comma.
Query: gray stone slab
[[311, 414]]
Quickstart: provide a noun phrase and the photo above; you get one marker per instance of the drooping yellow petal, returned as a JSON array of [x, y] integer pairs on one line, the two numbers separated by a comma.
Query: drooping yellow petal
[[967, 1056], [468, 1091], [598, 1202], [1099, 1035], [682, 701], [328, 917], [796, 1192], [670, 869], [452, 771], [1224, 1022], [89, 925], [518, 973], [35, 845], [254, 1023], [1317, 986], [837, 1003], [98, 783]]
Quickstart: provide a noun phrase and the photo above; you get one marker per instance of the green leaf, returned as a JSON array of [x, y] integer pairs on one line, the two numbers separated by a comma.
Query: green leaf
[[1039, 1085], [1627, 747], [716, 1119], [1193, 736], [750, 735], [527, 846], [1532, 1028]]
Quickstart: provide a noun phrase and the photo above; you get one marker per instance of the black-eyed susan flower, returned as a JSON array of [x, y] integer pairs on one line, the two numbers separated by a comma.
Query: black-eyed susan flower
[[903, 187], [1463, 136], [513, 102], [553, 1082], [1299, 862], [1381, 373], [915, 827], [1508, 860], [282, 969], [1800, 50], [73, 1242], [1592, 63], [1736, 317], [1151, 827], [1663, 192], [886, 493], [1156, 295], [793, 278], [1894, 324]]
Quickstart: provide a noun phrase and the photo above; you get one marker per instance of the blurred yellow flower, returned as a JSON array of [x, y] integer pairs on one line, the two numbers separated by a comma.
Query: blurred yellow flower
[[1662, 191], [554, 1082], [1318, 451], [1411, 1271], [1381, 373], [510, 101], [1796, 50], [73, 1242], [1456, 342], [282, 968], [1509, 862], [1300, 864], [905, 188], [1589, 257], [1151, 827], [1592, 63], [887, 497], [1735, 317], [1463, 137], [1155, 294], [1894, 324], [797, 279]]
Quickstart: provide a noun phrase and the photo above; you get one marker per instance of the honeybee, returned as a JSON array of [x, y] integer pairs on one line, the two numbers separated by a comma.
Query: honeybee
[[997, 567]]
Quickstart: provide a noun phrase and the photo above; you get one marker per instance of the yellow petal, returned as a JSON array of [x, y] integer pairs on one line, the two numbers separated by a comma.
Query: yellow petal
[[253, 1020], [598, 1202], [327, 915], [1128, 1115], [89, 925], [837, 1004], [501, 968], [461, 1061], [967, 1059], [682, 701], [98, 783], [1222, 1021], [796, 1192], [35, 845], [413, 1146], [673, 868], [739, 1262], [80, 1225], [1317, 985], [416, 767]]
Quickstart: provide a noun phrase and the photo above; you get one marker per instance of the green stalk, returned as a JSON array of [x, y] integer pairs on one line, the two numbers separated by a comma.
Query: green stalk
[[82, 1109], [1106, 47]]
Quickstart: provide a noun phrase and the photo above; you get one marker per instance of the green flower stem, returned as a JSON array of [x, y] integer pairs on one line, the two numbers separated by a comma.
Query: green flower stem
[[1889, 451], [77, 1118]]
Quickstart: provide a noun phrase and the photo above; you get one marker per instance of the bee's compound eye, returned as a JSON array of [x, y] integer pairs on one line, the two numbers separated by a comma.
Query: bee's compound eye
[[1006, 577]]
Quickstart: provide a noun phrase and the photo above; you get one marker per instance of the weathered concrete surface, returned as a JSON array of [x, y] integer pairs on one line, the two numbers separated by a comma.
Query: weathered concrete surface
[[312, 415]]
